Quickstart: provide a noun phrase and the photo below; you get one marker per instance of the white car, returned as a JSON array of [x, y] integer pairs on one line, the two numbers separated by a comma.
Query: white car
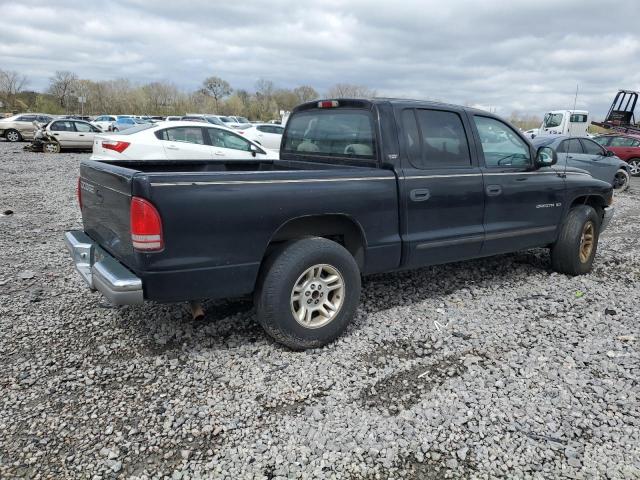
[[178, 141], [67, 134], [105, 122], [265, 134]]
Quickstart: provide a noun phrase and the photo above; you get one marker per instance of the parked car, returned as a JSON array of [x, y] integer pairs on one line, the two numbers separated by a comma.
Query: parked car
[[178, 141], [264, 134], [625, 146], [362, 187], [123, 123], [204, 118], [104, 122], [588, 155], [20, 127], [65, 134], [228, 121]]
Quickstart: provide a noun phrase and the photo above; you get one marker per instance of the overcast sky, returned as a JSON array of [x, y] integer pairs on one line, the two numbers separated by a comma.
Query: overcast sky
[[523, 56]]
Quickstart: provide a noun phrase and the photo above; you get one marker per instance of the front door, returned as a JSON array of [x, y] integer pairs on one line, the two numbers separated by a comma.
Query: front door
[[65, 133], [523, 205], [442, 188]]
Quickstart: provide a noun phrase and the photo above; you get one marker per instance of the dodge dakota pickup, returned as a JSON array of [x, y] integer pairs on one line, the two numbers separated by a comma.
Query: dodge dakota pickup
[[361, 187]]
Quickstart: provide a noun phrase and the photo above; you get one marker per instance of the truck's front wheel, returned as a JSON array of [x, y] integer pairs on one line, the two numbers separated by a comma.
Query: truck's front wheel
[[575, 249], [308, 293]]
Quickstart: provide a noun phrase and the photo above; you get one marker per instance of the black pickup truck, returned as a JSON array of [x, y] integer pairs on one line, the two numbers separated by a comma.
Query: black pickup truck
[[361, 187]]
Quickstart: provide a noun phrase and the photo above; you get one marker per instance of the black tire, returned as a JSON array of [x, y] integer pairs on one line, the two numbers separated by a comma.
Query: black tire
[[621, 180], [634, 163], [13, 135], [281, 272], [566, 251]]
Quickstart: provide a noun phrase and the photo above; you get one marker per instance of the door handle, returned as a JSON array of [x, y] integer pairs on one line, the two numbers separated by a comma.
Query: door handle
[[172, 147], [218, 152], [81, 134], [420, 194], [494, 190], [56, 134]]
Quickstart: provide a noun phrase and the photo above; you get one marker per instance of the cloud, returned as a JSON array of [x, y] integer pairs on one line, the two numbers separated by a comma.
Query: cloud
[[518, 55]]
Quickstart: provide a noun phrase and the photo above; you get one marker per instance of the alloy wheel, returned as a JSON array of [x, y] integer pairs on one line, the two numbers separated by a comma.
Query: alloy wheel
[[317, 296]]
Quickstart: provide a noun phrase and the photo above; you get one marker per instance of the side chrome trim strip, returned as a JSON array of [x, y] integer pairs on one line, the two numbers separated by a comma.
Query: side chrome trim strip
[[446, 243], [517, 233], [253, 182], [479, 238]]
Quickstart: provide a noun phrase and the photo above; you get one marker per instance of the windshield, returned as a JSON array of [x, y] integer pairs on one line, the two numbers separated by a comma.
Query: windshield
[[243, 120], [552, 120], [346, 133]]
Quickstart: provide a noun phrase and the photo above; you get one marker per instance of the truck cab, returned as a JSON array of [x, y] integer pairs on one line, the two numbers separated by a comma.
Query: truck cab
[[572, 123]]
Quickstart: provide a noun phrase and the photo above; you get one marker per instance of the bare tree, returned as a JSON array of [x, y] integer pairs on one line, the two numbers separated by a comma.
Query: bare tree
[[62, 85], [347, 90], [305, 93], [11, 84], [217, 88]]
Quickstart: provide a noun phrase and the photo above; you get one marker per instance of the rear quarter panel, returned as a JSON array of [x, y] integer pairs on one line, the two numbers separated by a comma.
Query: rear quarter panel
[[217, 227]]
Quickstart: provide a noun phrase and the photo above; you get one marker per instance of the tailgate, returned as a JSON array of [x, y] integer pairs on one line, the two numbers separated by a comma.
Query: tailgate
[[105, 190]]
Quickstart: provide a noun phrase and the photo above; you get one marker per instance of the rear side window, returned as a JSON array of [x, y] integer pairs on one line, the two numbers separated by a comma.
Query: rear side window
[[62, 126], [342, 133], [182, 134], [443, 140], [578, 118], [570, 146], [624, 142], [26, 118]]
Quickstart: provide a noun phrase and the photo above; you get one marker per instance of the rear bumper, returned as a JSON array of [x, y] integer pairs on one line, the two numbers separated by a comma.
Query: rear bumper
[[102, 272], [606, 218]]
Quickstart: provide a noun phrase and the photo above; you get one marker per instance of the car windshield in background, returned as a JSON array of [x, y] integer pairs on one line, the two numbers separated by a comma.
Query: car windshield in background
[[137, 128], [552, 120], [333, 133]]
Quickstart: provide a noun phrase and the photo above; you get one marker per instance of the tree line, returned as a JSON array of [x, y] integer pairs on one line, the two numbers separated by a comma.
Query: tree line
[[69, 94]]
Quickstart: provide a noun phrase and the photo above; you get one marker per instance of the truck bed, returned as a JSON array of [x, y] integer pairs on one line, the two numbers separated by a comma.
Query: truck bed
[[219, 217]]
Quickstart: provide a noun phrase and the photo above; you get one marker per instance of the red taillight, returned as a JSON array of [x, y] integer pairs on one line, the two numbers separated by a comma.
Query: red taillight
[[79, 193], [328, 104], [115, 145], [146, 226]]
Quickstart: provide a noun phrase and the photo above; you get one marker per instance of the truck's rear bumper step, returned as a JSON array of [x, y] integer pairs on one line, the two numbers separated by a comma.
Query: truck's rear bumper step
[[102, 272]]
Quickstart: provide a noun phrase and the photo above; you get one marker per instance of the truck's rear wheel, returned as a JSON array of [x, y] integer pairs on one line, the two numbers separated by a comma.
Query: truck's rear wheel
[[575, 249], [308, 293]]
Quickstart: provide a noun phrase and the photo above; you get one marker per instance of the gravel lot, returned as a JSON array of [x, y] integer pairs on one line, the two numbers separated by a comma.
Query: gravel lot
[[482, 369]]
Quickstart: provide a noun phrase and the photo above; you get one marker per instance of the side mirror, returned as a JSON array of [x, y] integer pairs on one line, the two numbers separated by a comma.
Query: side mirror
[[545, 157], [255, 150]]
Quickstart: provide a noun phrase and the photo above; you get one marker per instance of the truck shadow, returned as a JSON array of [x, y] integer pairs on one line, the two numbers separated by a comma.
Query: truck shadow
[[231, 323]]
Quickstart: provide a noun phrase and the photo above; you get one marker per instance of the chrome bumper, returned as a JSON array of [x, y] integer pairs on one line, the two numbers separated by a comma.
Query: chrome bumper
[[101, 271], [606, 218]]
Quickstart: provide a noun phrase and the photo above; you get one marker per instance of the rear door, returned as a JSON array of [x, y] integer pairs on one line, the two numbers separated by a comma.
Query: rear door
[[184, 143], [523, 205], [442, 189], [65, 133]]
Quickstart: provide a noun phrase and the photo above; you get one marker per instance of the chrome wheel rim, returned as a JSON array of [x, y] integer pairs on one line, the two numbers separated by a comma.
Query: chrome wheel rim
[[621, 180], [51, 148], [587, 242], [317, 296], [635, 167], [13, 136]]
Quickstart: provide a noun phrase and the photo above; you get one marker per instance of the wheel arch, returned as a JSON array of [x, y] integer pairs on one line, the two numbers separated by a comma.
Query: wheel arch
[[340, 228], [596, 201]]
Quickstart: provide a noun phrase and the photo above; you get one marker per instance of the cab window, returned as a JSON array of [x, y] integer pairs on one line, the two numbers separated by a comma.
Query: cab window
[[501, 146]]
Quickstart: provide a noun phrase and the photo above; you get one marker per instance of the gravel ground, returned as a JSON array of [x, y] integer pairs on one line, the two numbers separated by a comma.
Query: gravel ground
[[482, 369]]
